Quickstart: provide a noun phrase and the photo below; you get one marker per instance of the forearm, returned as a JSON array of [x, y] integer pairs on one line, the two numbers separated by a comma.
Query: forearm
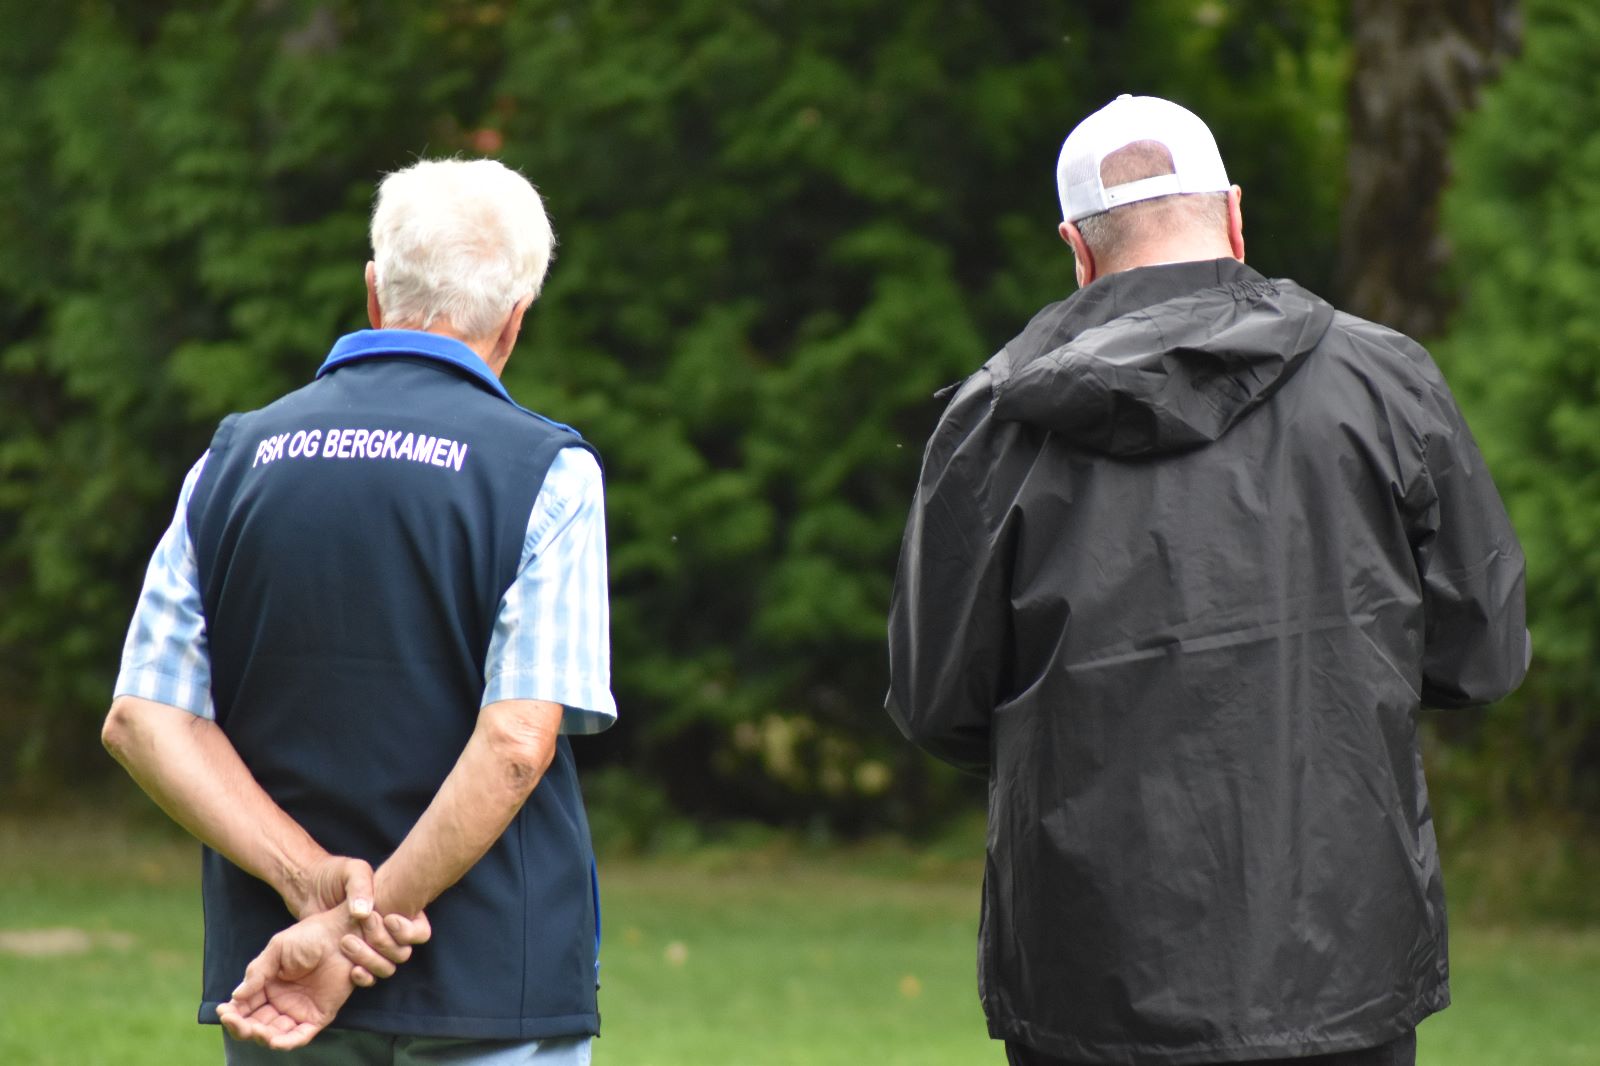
[[508, 753], [187, 765]]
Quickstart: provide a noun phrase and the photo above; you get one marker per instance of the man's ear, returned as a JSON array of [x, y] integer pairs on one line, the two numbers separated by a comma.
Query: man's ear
[[1236, 222], [374, 312], [1083, 258], [508, 336]]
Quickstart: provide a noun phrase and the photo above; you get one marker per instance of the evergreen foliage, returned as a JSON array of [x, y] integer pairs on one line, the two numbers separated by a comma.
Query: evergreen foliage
[[783, 226], [1524, 355]]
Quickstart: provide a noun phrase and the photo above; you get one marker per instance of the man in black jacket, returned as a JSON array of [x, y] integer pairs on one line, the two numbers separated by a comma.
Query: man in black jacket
[[1186, 559]]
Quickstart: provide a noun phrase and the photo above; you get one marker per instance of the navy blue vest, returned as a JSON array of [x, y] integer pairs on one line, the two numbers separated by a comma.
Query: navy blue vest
[[354, 540]]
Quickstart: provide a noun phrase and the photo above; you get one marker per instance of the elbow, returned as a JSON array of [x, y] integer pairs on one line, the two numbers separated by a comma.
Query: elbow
[[1478, 691], [921, 732], [137, 731], [121, 728], [970, 755], [521, 736], [1477, 680], [964, 746]]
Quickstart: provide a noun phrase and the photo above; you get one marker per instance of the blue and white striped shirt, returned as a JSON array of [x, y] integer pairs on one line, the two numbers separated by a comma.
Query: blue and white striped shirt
[[551, 640]]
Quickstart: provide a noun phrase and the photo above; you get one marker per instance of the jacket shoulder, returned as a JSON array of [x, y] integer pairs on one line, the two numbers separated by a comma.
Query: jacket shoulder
[[1381, 349]]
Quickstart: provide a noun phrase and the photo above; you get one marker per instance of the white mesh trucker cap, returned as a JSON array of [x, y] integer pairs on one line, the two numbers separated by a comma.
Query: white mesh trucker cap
[[1120, 123]]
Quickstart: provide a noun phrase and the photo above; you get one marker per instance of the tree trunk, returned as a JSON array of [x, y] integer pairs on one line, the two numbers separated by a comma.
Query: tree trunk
[[1417, 65]]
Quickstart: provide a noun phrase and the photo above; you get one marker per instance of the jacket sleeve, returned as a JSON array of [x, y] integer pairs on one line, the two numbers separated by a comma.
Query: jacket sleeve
[[948, 614], [1476, 644]]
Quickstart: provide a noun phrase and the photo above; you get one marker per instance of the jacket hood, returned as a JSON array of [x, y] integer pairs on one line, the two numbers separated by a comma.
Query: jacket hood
[[1158, 359]]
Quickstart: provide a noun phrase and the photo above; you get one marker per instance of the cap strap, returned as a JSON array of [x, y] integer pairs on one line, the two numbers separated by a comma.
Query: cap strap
[[1143, 189]]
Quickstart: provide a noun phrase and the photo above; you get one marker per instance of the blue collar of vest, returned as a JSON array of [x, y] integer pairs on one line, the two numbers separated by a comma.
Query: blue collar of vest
[[377, 343]]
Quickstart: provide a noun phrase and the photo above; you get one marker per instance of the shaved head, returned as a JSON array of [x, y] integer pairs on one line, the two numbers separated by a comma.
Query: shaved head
[[1122, 236]]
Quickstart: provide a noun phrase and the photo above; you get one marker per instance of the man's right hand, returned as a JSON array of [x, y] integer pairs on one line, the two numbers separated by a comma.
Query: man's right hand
[[334, 880], [339, 879]]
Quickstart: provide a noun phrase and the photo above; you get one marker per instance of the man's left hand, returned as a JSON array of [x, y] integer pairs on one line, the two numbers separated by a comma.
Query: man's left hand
[[339, 879], [295, 987]]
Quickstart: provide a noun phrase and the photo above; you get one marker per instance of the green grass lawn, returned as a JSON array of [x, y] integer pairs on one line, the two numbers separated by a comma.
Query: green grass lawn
[[755, 956]]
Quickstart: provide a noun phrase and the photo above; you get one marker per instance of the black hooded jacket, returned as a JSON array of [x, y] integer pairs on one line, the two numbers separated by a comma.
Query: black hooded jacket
[[1185, 559]]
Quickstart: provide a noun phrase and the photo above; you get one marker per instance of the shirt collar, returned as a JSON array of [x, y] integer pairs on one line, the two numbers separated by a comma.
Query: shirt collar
[[378, 343]]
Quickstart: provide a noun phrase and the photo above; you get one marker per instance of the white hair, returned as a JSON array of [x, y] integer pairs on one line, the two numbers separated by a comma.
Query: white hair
[[458, 240]]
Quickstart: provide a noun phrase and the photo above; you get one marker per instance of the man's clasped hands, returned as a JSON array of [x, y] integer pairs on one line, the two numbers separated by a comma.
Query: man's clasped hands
[[293, 989]]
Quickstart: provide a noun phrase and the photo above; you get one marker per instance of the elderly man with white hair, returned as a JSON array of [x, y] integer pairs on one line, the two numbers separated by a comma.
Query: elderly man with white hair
[[379, 609]]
